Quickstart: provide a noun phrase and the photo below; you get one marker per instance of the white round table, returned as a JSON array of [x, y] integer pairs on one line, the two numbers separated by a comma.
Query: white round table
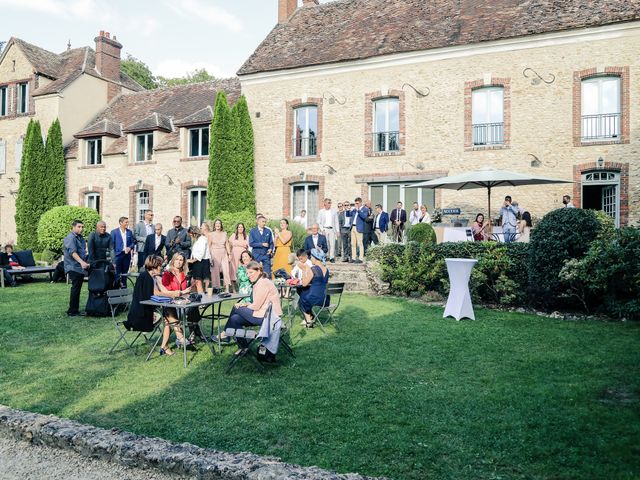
[[459, 301]]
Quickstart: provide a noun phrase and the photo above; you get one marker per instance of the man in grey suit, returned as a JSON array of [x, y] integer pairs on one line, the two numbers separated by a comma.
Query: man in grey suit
[[345, 230], [141, 231]]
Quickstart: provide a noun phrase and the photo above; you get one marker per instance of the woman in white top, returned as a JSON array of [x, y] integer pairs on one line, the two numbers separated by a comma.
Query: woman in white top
[[424, 215], [198, 264], [205, 230]]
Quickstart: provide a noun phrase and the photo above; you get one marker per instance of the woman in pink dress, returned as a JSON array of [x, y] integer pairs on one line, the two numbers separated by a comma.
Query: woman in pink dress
[[220, 254], [239, 242]]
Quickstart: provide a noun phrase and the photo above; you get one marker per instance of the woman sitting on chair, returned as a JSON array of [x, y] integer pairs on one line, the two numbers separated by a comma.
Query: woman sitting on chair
[[140, 317], [174, 279], [314, 283], [252, 313]]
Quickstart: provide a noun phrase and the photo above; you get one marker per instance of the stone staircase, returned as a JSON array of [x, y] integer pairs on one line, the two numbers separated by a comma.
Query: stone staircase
[[354, 275]]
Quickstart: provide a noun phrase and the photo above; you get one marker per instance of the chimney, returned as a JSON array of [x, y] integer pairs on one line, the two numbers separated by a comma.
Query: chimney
[[286, 8], [108, 56]]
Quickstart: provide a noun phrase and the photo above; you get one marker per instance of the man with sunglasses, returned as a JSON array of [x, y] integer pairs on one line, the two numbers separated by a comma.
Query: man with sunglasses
[[345, 230], [177, 239]]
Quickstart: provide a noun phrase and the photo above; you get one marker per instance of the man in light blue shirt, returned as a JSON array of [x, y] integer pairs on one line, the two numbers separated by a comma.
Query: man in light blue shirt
[[509, 215]]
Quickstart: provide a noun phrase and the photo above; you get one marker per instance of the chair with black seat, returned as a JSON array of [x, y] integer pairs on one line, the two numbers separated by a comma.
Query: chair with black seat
[[119, 302], [324, 314], [249, 334]]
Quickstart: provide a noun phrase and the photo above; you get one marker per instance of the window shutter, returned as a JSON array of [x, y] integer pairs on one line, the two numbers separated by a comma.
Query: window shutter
[[18, 155], [3, 156]]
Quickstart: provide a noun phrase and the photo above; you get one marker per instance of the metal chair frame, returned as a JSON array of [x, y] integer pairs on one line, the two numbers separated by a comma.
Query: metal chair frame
[[117, 298], [332, 290]]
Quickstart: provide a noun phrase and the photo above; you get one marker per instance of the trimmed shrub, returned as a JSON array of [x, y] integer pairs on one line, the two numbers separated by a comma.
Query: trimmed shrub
[[245, 185], [30, 200], [561, 235], [54, 188], [299, 232], [421, 233], [56, 224], [222, 167]]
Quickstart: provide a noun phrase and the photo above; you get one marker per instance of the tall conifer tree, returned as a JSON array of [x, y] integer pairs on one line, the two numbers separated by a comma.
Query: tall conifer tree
[[245, 156], [54, 189]]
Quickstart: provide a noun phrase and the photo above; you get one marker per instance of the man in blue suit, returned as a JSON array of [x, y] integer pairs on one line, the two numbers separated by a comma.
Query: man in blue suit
[[261, 243], [359, 214], [316, 240], [381, 224], [123, 242]]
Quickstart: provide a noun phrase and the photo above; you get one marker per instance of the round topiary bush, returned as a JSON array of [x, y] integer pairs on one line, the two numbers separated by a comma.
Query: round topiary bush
[[422, 233], [55, 224], [561, 235]]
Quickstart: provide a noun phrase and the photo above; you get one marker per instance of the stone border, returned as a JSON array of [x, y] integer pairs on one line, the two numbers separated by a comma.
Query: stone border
[[143, 452]]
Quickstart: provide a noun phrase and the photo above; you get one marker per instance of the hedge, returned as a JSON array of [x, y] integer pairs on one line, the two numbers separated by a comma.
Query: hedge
[[55, 225]]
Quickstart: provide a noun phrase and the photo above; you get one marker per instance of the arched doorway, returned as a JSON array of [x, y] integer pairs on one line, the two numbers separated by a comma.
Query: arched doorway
[[601, 191]]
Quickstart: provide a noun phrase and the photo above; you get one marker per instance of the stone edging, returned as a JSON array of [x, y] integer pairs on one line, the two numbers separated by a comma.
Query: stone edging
[[143, 452]]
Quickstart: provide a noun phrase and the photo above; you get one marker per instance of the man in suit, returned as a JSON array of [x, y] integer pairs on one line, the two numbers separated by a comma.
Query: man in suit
[[154, 244], [328, 221], [358, 215], [261, 243], [381, 224], [177, 239], [123, 243], [141, 231], [316, 240], [345, 230], [398, 219], [367, 236]]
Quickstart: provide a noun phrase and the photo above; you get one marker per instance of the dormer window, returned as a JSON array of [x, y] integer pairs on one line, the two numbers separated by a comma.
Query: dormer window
[[23, 97], [94, 151], [144, 147], [199, 142]]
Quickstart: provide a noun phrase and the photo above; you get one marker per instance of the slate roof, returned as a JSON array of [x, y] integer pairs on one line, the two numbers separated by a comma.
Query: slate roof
[[204, 115], [344, 30], [100, 128]]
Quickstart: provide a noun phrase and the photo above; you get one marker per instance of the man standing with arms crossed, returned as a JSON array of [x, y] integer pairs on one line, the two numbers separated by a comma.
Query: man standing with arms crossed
[[328, 221], [345, 230], [75, 265]]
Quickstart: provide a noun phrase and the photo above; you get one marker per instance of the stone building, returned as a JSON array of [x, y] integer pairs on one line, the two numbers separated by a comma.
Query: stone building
[[366, 97], [72, 86]]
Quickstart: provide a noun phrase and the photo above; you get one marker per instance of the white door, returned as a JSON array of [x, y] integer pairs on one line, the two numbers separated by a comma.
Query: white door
[[610, 202]]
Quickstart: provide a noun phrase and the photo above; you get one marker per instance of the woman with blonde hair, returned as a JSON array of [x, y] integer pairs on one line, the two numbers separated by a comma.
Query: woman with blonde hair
[[197, 265], [220, 255], [174, 279]]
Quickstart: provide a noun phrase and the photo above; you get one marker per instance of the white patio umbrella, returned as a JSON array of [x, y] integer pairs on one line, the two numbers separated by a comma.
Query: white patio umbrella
[[488, 178]]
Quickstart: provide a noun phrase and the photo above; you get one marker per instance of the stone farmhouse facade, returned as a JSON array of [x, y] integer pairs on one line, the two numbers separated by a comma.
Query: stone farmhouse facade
[[365, 97]]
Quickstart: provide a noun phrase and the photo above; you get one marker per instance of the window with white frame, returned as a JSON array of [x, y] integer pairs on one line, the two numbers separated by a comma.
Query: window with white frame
[[305, 135], [23, 97], [94, 151], [199, 142], [142, 204], [386, 125], [304, 196], [197, 205], [92, 200], [487, 112], [601, 112], [4, 101], [144, 147], [389, 194]]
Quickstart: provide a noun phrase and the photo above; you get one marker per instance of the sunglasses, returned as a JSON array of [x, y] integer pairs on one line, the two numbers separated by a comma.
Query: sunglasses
[[339, 205]]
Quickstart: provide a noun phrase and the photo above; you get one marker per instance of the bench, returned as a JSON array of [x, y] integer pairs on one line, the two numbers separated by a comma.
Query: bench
[[25, 258]]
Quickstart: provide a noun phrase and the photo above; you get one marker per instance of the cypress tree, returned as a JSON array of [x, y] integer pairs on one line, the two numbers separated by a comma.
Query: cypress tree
[[220, 156], [54, 188], [245, 157]]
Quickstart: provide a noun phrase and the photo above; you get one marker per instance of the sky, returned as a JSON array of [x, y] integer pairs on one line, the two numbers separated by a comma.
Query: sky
[[171, 37]]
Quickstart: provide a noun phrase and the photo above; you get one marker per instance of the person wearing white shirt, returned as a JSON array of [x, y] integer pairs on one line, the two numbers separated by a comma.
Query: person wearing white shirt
[[197, 265], [415, 215], [302, 219], [329, 226]]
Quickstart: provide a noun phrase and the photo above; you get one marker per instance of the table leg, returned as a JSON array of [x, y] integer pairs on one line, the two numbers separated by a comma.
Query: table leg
[[181, 312]]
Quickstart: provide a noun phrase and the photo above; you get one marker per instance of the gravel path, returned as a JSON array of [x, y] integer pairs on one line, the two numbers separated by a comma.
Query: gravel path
[[21, 460]]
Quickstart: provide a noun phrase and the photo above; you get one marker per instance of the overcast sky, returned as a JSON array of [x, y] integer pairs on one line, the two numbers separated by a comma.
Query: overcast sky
[[172, 37]]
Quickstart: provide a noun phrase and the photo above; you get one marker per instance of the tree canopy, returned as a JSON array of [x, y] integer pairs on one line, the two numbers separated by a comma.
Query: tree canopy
[[141, 73]]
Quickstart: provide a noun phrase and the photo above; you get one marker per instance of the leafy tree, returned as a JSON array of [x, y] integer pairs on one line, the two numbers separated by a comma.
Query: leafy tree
[[197, 76], [139, 71], [54, 187], [30, 202], [55, 224], [244, 156]]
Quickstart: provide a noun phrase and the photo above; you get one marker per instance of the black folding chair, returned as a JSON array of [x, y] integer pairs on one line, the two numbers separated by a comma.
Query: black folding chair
[[119, 301], [323, 315], [250, 334]]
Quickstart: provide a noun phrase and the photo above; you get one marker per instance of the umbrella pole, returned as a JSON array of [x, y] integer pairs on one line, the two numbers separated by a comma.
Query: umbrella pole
[[489, 208]]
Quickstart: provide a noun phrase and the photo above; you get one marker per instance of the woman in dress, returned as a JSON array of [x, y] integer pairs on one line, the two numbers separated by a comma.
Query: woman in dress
[[424, 215], [220, 254], [314, 285], [198, 254], [239, 243], [205, 230], [284, 243], [479, 229], [243, 282], [174, 279]]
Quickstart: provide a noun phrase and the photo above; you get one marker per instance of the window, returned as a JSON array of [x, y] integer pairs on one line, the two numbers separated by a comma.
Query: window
[[386, 125], [92, 200], [142, 204], [197, 205], [199, 142], [144, 147], [388, 195], [487, 113], [4, 102], [601, 113], [305, 197], [23, 97], [306, 131], [94, 151]]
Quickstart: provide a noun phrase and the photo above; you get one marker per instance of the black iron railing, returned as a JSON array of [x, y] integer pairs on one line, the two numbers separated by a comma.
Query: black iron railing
[[488, 133], [386, 141]]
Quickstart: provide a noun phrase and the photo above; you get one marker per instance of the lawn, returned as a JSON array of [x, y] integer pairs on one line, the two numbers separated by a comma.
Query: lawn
[[399, 391]]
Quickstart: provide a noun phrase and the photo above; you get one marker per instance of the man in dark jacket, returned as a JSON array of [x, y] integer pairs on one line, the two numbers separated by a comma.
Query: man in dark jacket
[[100, 244], [316, 240], [177, 239], [154, 244]]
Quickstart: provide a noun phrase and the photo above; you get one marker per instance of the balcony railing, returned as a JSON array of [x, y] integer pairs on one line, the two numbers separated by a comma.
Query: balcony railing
[[600, 127], [386, 141], [304, 146], [488, 133]]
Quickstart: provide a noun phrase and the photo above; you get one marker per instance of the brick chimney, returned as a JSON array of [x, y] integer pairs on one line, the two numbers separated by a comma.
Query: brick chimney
[[108, 56], [286, 8]]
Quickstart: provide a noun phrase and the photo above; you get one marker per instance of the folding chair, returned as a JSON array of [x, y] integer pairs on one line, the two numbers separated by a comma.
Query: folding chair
[[250, 334], [119, 301], [333, 290]]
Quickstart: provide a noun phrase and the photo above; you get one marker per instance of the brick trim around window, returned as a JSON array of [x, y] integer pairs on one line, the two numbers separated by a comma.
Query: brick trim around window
[[133, 190], [184, 199], [469, 87], [290, 118], [405, 177], [369, 100], [578, 77], [621, 168], [289, 182], [83, 192], [12, 93]]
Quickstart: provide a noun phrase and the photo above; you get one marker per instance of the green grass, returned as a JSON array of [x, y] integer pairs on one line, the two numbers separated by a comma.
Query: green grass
[[399, 391]]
